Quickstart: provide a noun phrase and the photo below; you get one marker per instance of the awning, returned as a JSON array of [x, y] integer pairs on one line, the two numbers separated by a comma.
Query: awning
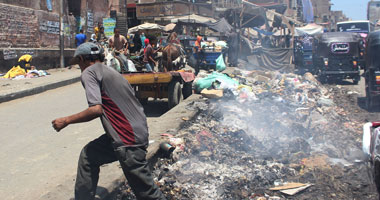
[[146, 26], [267, 33], [310, 29], [221, 26], [169, 27], [193, 18]]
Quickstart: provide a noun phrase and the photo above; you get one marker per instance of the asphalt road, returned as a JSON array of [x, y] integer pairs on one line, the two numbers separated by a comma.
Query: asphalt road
[[34, 158]]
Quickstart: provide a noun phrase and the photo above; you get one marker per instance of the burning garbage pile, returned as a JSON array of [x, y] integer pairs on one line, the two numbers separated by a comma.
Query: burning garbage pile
[[271, 136]]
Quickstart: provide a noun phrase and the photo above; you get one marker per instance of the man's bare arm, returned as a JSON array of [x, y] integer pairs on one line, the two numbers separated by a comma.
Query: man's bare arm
[[84, 116]]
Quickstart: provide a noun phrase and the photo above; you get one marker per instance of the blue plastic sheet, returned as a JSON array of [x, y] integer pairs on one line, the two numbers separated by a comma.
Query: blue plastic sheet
[[308, 14]]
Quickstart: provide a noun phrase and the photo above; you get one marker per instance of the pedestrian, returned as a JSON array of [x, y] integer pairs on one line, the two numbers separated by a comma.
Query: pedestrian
[[97, 28], [93, 38], [148, 60], [199, 53], [137, 42], [142, 37], [233, 49], [80, 38], [111, 98], [101, 36]]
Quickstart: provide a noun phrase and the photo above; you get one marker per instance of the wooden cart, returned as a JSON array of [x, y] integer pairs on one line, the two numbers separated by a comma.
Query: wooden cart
[[174, 85]]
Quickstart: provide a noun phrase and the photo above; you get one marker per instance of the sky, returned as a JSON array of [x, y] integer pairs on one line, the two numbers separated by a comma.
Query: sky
[[354, 9]]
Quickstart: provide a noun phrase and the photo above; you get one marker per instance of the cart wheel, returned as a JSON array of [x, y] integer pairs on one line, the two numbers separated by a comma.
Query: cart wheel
[[143, 101], [356, 80], [368, 100], [187, 89], [323, 79], [175, 94], [376, 173]]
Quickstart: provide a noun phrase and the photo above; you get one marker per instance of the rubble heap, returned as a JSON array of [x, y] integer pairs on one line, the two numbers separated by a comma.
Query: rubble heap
[[271, 130]]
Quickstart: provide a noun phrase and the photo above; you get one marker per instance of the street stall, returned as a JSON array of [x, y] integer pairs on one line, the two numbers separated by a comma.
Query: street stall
[[213, 45], [303, 47], [146, 27]]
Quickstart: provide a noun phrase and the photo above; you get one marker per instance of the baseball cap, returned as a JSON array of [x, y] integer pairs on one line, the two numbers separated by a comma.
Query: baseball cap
[[87, 48]]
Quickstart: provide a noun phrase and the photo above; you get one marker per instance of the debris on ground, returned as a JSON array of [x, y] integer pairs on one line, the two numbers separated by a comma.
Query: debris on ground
[[271, 129]]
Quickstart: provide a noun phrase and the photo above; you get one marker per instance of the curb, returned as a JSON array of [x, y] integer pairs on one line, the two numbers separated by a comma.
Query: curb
[[36, 90]]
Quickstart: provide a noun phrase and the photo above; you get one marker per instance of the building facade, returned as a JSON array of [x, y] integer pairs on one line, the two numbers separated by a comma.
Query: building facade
[[162, 11], [35, 23], [373, 12]]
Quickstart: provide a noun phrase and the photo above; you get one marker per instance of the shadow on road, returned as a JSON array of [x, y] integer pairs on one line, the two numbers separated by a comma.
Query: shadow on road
[[155, 108], [339, 82], [362, 105]]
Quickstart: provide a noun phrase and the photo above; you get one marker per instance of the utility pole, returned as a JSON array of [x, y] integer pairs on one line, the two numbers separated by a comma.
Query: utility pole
[[61, 36]]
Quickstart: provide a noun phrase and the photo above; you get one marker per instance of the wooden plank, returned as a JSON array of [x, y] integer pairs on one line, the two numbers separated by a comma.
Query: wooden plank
[[288, 186], [295, 190], [148, 78]]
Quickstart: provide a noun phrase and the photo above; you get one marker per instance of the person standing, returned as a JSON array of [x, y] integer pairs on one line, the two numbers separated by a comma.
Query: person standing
[[137, 42], [112, 99], [142, 37], [80, 38], [101, 36], [199, 53], [233, 49], [148, 60], [97, 28]]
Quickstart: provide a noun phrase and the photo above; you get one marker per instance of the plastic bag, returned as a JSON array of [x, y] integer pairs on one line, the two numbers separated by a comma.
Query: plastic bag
[[220, 65], [207, 82]]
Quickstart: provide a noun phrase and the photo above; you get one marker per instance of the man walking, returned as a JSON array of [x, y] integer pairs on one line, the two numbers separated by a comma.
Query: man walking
[[80, 38], [111, 98]]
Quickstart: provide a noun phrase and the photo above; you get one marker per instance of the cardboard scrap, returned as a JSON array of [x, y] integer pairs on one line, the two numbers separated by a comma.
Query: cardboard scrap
[[288, 186], [212, 94], [291, 188], [295, 190]]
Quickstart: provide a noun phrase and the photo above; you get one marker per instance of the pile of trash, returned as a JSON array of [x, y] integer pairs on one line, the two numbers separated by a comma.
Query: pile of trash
[[214, 46], [270, 136]]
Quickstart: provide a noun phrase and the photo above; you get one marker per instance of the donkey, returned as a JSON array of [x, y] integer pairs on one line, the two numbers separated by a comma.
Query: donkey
[[116, 62]]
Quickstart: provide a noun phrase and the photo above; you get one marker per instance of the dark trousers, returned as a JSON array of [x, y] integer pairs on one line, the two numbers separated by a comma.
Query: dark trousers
[[132, 159], [233, 56]]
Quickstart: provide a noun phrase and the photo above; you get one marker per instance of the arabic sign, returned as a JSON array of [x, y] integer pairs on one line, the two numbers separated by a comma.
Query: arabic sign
[[90, 22], [9, 54], [340, 47], [109, 24], [51, 27]]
